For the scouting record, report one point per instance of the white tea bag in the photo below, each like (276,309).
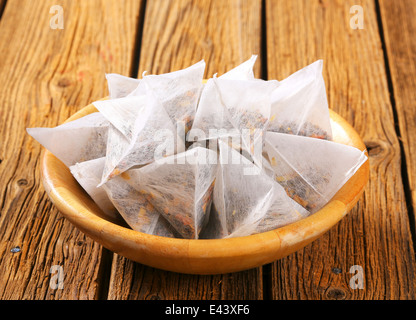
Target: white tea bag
(88,174)
(180,188)
(135,209)
(177,91)
(244,204)
(300,105)
(123,113)
(117,197)
(156,138)
(243,71)
(283,211)
(233,107)
(212,119)
(76,141)
(311,170)
(120,86)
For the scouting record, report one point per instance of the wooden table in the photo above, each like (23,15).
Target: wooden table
(48,73)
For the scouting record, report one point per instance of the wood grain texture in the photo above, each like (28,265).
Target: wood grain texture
(376,234)
(177,34)
(133,281)
(399,28)
(47,75)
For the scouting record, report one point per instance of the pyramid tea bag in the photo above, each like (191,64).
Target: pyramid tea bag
(311,170)
(245,204)
(88,174)
(117,197)
(234,108)
(76,141)
(156,138)
(119,110)
(180,188)
(136,210)
(123,113)
(120,86)
(177,91)
(223,110)
(300,106)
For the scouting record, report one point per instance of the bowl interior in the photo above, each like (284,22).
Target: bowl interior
(211,256)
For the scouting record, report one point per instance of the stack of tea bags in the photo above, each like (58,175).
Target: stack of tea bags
(233,156)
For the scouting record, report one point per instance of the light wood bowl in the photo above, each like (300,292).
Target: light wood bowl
(211,256)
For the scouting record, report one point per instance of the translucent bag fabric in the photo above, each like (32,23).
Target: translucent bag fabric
(299,105)
(244,204)
(120,86)
(156,138)
(88,174)
(123,113)
(232,103)
(243,71)
(76,141)
(177,91)
(136,210)
(180,188)
(234,108)
(117,198)
(311,170)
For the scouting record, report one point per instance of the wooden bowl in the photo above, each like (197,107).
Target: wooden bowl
(211,256)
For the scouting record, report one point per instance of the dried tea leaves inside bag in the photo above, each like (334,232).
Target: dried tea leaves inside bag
(117,197)
(180,188)
(177,91)
(156,138)
(233,108)
(233,102)
(245,204)
(300,105)
(311,170)
(76,141)
(135,209)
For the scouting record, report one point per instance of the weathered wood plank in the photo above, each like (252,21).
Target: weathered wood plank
(375,235)
(47,75)
(177,34)
(399,28)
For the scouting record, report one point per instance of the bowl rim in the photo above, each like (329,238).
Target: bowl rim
(261,248)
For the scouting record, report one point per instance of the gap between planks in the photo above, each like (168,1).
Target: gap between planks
(405,174)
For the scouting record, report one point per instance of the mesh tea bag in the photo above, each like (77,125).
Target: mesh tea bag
(222,112)
(180,188)
(156,138)
(120,86)
(88,174)
(311,170)
(136,210)
(243,71)
(123,113)
(233,107)
(300,106)
(177,91)
(117,197)
(246,204)
(76,141)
